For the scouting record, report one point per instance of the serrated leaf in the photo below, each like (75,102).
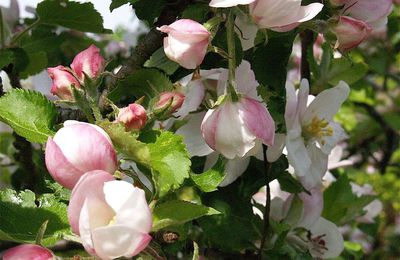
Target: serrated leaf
(209,180)
(145,82)
(78,16)
(148,12)
(160,61)
(37,62)
(177,212)
(169,160)
(21,219)
(117,3)
(29,113)
(127,143)
(197,12)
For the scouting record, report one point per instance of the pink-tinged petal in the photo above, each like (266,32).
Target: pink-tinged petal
(312,207)
(195,143)
(327,103)
(59,167)
(133,117)
(246,80)
(28,252)
(350,32)
(130,205)
(116,241)
(368,11)
(62,82)
(209,127)
(89,186)
(88,61)
(229,3)
(86,147)
(258,120)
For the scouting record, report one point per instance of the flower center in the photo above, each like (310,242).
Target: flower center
(318,128)
(318,243)
(112,221)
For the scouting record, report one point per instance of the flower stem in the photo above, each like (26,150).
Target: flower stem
(230,35)
(267,168)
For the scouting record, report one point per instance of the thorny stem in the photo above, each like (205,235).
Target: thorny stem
(230,24)
(267,209)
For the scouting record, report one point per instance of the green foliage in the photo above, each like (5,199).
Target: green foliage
(169,160)
(208,181)
(177,212)
(197,12)
(341,204)
(144,82)
(29,113)
(160,61)
(148,12)
(117,3)
(22,215)
(6,57)
(78,16)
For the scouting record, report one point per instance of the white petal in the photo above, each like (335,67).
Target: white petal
(297,153)
(234,169)
(331,141)
(246,31)
(275,151)
(246,80)
(194,94)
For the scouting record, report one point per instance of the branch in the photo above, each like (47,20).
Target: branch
(307,40)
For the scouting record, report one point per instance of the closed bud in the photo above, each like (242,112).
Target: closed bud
(168,103)
(88,62)
(28,252)
(133,117)
(63,81)
(350,32)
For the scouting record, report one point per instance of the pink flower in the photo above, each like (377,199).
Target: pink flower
(282,15)
(76,149)
(28,252)
(169,102)
(229,3)
(133,117)
(89,62)
(112,217)
(350,32)
(63,81)
(234,128)
(186,43)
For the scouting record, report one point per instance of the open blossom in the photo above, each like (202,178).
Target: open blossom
(112,217)
(282,15)
(186,43)
(78,148)
(229,3)
(63,81)
(234,128)
(133,117)
(89,62)
(28,252)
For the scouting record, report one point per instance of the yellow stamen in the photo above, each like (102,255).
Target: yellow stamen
(112,221)
(318,128)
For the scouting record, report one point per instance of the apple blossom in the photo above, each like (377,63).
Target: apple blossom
(168,102)
(234,128)
(111,217)
(133,117)
(78,148)
(350,32)
(186,43)
(28,252)
(282,15)
(89,62)
(229,3)
(63,81)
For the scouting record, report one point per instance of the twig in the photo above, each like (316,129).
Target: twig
(307,40)
(267,209)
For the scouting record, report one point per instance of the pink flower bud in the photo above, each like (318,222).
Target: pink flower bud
(282,15)
(28,252)
(76,149)
(186,43)
(112,217)
(169,102)
(133,117)
(350,32)
(90,62)
(234,128)
(63,81)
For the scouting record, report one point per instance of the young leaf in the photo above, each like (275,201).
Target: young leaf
(78,16)
(160,61)
(209,180)
(20,218)
(29,113)
(169,160)
(178,212)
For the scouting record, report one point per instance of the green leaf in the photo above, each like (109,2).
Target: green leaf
(208,181)
(37,62)
(178,212)
(169,160)
(289,183)
(145,82)
(148,12)
(346,70)
(29,113)
(21,219)
(341,204)
(6,57)
(127,143)
(197,12)
(160,61)
(78,16)
(117,3)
